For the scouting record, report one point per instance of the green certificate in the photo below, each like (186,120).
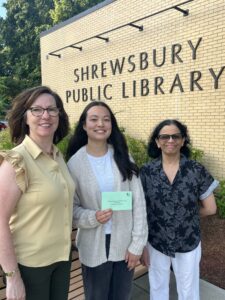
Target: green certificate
(117,200)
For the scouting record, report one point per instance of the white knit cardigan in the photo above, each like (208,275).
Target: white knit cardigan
(129,228)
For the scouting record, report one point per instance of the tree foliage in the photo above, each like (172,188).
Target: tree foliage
(63,9)
(20,40)
(20,30)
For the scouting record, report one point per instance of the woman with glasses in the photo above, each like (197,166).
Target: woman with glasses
(177,190)
(36,195)
(110,239)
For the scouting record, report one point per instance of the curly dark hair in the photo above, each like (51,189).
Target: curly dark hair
(22,102)
(154,151)
(117,140)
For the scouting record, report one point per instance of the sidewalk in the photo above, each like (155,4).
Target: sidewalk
(208,291)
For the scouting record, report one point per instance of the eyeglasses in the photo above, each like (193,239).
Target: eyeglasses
(39,111)
(166,137)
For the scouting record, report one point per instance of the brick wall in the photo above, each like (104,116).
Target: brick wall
(189,84)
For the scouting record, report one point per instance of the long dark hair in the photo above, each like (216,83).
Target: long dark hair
(117,140)
(154,151)
(22,102)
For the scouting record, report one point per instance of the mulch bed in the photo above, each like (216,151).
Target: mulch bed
(212,266)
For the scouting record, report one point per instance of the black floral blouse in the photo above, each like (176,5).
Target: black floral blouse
(173,209)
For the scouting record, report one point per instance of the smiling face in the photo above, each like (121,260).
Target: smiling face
(170,145)
(98,124)
(45,125)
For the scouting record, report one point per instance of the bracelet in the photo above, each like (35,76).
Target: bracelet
(11,273)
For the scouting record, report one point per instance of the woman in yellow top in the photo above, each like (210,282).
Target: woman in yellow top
(36,193)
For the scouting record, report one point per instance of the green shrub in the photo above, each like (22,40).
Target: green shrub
(220,199)
(5,140)
(137,147)
(138,150)
(197,154)
(6,144)
(63,144)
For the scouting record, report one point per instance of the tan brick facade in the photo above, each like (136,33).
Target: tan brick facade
(174,68)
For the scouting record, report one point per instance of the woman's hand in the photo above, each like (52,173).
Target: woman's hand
(103,216)
(145,259)
(15,289)
(132,260)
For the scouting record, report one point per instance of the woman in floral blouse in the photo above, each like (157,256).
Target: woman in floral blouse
(177,191)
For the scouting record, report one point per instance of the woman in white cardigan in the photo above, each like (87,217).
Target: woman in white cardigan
(109,241)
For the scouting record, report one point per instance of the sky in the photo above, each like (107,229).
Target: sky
(2,9)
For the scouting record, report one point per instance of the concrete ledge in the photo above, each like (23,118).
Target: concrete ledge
(208,291)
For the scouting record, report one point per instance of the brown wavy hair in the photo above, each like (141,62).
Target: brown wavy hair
(22,102)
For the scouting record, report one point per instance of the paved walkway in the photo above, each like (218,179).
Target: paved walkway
(208,291)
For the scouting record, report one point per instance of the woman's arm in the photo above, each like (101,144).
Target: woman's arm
(208,206)
(140,228)
(9,196)
(85,217)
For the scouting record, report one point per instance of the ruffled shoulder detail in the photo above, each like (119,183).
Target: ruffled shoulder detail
(17,162)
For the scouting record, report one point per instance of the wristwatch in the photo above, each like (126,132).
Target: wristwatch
(10,274)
